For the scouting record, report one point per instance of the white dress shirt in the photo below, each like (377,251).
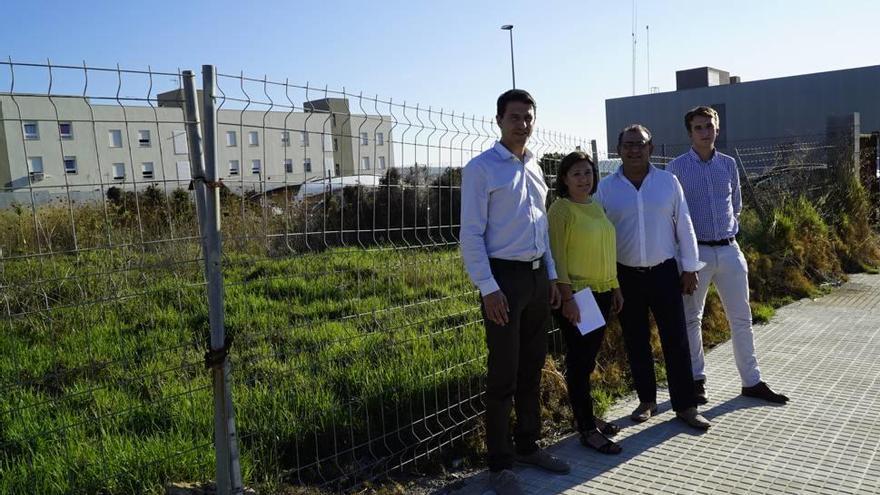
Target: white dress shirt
(652,222)
(503,214)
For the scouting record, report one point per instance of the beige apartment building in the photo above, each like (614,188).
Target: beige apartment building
(68,146)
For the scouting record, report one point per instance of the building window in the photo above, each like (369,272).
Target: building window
(35,167)
(335,144)
(365,139)
(115,137)
(144,138)
(179,138)
(147,170)
(254,138)
(231,139)
(288,166)
(304,139)
(184,171)
(285,139)
(307,165)
(31,130)
(255,166)
(365,163)
(70,165)
(333,119)
(381,163)
(380,139)
(118,171)
(65,130)
(233,167)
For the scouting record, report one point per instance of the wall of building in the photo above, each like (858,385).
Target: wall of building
(370,143)
(89,145)
(754,112)
(304,139)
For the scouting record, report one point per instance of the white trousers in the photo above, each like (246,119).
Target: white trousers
(726,268)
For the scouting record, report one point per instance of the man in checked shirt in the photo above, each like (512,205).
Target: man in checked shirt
(711,187)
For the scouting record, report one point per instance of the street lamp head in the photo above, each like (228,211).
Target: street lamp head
(507,27)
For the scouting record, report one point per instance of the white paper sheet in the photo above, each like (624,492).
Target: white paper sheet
(591,317)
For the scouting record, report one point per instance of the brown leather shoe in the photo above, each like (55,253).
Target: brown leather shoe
(643,412)
(693,419)
(762,391)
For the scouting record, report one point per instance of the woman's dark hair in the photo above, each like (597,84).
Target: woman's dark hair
(565,165)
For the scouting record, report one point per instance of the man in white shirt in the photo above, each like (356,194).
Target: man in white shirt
(649,212)
(506,250)
(710,181)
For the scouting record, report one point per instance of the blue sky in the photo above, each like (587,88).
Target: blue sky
(571,55)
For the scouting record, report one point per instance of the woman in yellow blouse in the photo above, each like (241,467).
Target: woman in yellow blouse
(582,241)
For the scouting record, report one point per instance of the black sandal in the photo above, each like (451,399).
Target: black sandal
(607,428)
(606,446)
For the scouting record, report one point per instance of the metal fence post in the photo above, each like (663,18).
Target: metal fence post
(594,149)
(856,144)
(208,207)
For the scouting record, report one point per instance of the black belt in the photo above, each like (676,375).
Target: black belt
(644,269)
(532,265)
(719,242)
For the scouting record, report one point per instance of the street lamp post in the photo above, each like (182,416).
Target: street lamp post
(509,28)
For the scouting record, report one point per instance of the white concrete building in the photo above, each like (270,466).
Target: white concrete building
(63,146)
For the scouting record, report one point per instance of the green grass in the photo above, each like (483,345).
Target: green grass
(105,390)
(762,313)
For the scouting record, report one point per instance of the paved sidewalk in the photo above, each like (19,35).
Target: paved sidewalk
(824,354)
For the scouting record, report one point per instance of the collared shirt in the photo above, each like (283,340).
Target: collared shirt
(503,214)
(712,191)
(652,222)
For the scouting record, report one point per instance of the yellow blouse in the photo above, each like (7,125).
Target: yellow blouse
(583,244)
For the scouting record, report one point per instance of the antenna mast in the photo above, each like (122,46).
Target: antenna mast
(634,24)
(648,51)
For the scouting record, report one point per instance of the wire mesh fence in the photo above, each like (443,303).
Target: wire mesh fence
(775,169)
(806,166)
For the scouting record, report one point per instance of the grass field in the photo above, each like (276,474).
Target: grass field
(106,393)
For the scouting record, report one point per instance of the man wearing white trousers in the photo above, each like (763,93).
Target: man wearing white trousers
(711,187)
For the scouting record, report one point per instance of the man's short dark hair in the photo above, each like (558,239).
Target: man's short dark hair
(517,95)
(634,127)
(702,110)
(565,165)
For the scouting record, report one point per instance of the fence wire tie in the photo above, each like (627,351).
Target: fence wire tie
(210,184)
(214,358)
